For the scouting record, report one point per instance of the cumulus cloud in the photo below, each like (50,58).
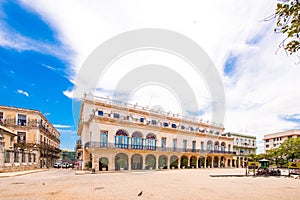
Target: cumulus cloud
(260,85)
(23,92)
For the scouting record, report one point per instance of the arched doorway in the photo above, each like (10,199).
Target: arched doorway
(228,162)
(208,162)
(150,142)
(173,162)
(137,140)
(216,161)
(183,162)
(223,161)
(193,162)
(121,161)
(121,139)
(209,145)
(136,162)
(216,147)
(162,162)
(103,164)
(223,147)
(201,162)
(150,161)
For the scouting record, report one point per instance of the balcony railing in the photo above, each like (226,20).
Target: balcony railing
(150,148)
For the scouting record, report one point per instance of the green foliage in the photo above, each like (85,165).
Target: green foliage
(184,161)
(288,23)
(151,162)
(162,162)
(121,162)
(88,165)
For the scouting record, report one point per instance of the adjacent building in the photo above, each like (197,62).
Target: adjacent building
(35,143)
(274,140)
(120,136)
(243,145)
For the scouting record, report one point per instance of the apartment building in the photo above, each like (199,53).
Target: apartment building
(243,145)
(36,142)
(120,136)
(274,140)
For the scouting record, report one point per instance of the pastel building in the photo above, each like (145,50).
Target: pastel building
(274,140)
(243,145)
(36,142)
(120,136)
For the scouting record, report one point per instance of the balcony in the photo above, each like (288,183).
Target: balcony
(100,145)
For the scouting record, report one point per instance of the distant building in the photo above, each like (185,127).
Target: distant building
(6,146)
(274,140)
(243,145)
(116,135)
(36,143)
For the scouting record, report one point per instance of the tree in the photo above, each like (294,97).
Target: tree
(291,148)
(288,22)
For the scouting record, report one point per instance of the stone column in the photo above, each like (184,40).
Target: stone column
(157,167)
(219,163)
(189,161)
(178,162)
(204,163)
(197,162)
(129,162)
(144,158)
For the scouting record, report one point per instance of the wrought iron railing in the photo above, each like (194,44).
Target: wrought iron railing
(150,148)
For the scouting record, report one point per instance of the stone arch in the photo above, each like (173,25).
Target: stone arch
(121,161)
(150,161)
(121,139)
(209,145)
(216,161)
(163,162)
(193,162)
(136,162)
(174,162)
(201,162)
(184,162)
(103,164)
(208,161)
(150,141)
(222,161)
(137,140)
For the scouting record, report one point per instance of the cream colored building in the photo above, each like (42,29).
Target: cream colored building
(36,143)
(116,136)
(243,145)
(274,140)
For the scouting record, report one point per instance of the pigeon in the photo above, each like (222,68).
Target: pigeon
(140,194)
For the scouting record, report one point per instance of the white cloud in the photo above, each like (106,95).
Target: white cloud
(61,126)
(264,85)
(23,92)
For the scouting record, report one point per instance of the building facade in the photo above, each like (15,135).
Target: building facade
(243,145)
(274,140)
(36,142)
(117,136)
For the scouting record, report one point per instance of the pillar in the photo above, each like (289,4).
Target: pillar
(197,162)
(204,162)
(156,166)
(129,162)
(178,162)
(189,162)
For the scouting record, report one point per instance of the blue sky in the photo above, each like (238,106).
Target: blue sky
(43,45)
(33,78)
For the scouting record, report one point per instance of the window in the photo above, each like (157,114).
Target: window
(166,124)
(21,137)
(182,127)
(29,157)
(1,118)
(34,158)
(191,128)
(142,119)
(121,139)
(202,146)
(154,122)
(267,140)
(193,146)
(23,156)
(174,126)
(267,146)
(184,144)
(22,120)
(116,115)
(7,156)
(237,140)
(137,140)
(174,144)
(163,142)
(100,113)
(150,142)
(16,156)
(103,138)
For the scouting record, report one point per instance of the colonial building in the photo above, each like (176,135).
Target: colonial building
(116,136)
(274,140)
(243,145)
(6,146)
(36,142)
